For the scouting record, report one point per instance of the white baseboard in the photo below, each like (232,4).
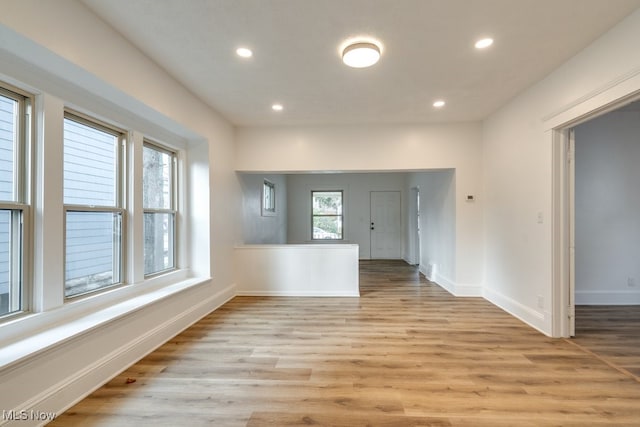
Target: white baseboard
(536,319)
(457,289)
(70,389)
(613,297)
(422,269)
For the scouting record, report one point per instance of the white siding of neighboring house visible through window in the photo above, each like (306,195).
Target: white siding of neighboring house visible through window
(7,133)
(89,237)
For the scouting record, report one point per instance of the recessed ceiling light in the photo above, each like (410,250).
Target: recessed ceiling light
(439,103)
(361,54)
(243,52)
(484,43)
(277,107)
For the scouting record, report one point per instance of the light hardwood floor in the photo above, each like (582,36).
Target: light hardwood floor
(611,332)
(405,353)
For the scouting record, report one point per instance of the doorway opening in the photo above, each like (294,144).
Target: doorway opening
(596,223)
(415,220)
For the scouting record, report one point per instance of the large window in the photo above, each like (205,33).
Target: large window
(326,215)
(15,136)
(159,203)
(94,205)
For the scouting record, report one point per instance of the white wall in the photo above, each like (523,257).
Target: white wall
(438,228)
(321,270)
(518,169)
(258,228)
(378,148)
(607,204)
(66,55)
(357,207)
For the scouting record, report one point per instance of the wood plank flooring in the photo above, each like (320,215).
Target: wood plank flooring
(612,332)
(406,353)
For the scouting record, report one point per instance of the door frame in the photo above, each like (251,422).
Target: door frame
(414,227)
(559,128)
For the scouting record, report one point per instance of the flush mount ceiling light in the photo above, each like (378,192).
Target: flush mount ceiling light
(484,43)
(439,103)
(277,107)
(243,52)
(361,54)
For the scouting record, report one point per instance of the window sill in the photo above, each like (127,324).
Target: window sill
(64,323)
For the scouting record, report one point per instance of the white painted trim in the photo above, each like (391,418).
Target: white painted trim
(422,269)
(621,297)
(100,307)
(71,390)
(445,283)
(535,319)
(612,91)
(457,289)
(463,290)
(430,271)
(607,97)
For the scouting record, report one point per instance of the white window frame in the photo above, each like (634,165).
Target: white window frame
(119,258)
(341,215)
(268,210)
(173,209)
(20,207)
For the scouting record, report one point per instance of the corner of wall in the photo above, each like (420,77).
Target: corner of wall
(540,320)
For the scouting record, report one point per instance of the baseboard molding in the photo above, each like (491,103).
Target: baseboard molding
(457,289)
(422,270)
(614,297)
(536,319)
(87,379)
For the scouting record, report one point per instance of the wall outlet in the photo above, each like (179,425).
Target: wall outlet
(631,282)
(540,301)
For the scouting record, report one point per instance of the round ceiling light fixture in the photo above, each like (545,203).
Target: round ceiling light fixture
(484,43)
(361,54)
(244,52)
(439,103)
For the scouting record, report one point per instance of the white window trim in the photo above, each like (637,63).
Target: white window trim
(342,215)
(174,208)
(69,85)
(264,210)
(23,169)
(120,261)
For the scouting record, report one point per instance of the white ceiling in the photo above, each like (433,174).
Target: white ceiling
(428,53)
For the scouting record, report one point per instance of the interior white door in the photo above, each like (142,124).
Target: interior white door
(386,225)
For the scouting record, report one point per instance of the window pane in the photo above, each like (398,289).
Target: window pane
(158,242)
(8,139)
(10,262)
(327,227)
(268,197)
(93,246)
(157,178)
(327,202)
(90,162)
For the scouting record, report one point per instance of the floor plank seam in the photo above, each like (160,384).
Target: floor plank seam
(603,360)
